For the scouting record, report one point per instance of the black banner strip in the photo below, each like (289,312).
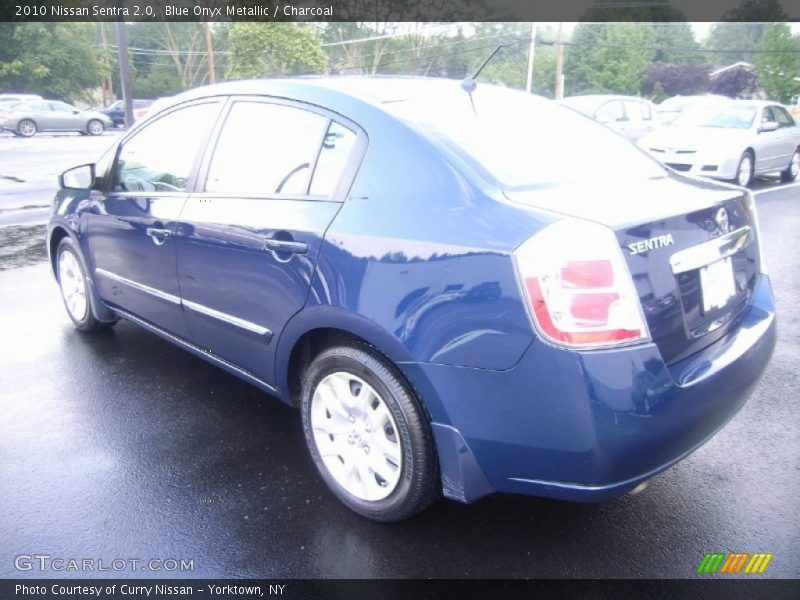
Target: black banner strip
(399,10)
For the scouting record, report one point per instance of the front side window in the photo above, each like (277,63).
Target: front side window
(783,117)
(61,107)
(610,112)
(266,149)
(159,158)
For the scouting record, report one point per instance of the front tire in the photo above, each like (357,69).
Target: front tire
(26,128)
(95,127)
(368,435)
(790,174)
(744,172)
(75,288)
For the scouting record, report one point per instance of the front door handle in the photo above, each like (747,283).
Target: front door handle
(159,235)
(285,246)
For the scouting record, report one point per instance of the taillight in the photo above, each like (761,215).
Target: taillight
(578,287)
(750,204)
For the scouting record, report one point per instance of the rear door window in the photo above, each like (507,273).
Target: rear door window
(269,149)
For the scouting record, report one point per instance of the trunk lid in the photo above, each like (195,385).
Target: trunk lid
(670,230)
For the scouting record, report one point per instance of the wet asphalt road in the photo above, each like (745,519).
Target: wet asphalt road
(120,445)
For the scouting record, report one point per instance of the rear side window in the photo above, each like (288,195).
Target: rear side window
(160,157)
(332,159)
(266,149)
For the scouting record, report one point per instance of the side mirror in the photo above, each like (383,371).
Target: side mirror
(768,126)
(77,178)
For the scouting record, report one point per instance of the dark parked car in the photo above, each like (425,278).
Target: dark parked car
(627,115)
(116,111)
(454,300)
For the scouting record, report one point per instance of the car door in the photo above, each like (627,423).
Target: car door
(131,231)
(640,119)
(768,143)
(41,113)
(248,239)
(612,113)
(788,138)
(65,117)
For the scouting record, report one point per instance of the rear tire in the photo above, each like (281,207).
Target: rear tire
(368,435)
(744,172)
(75,288)
(790,174)
(26,128)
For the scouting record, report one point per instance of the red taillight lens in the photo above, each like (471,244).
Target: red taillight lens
(588,273)
(579,287)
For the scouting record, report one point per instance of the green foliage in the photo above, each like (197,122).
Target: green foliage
(675,44)
(735,40)
(608,58)
(274,50)
(55,60)
(779,63)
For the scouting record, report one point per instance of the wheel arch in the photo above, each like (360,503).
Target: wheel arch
(313,329)
(55,236)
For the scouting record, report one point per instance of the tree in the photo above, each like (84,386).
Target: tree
(733,42)
(778,63)
(608,58)
(673,80)
(274,49)
(675,44)
(734,83)
(56,60)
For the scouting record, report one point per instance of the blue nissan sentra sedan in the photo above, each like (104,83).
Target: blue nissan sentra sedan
(465,290)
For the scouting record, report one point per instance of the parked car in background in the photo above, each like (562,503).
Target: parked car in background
(671,107)
(735,140)
(27,118)
(18,97)
(116,111)
(492,313)
(630,116)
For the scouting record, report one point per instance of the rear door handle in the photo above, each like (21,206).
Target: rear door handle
(159,235)
(285,246)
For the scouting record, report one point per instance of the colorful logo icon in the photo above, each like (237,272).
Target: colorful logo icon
(734,562)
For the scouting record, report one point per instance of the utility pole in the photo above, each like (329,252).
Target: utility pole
(531,50)
(107,86)
(559,89)
(212,77)
(124,72)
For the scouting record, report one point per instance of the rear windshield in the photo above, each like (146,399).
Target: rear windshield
(518,141)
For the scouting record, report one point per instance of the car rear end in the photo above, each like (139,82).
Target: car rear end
(646,292)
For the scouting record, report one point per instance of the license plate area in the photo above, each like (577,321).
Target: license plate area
(717,284)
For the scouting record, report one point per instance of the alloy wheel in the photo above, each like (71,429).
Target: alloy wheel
(745,168)
(73,286)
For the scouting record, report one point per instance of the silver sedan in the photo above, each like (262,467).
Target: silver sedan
(734,140)
(27,118)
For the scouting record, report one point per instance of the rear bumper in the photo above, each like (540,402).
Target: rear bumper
(589,425)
